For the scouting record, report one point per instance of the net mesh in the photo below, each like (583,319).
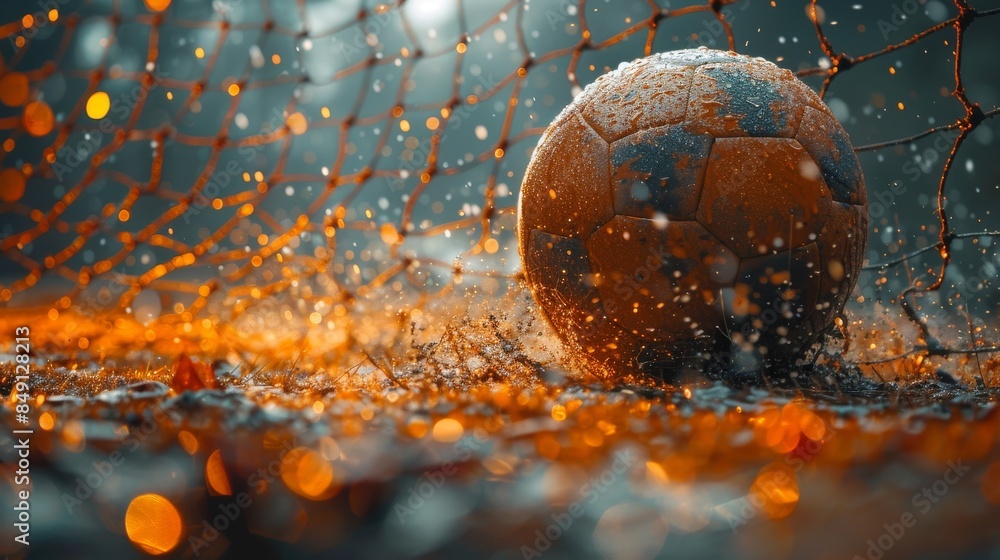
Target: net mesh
(311,180)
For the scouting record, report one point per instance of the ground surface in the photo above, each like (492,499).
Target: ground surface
(497,468)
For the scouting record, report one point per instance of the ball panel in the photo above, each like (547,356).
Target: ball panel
(659,171)
(660,283)
(823,137)
(560,264)
(609,351)
(560,278)
(740,99)
(566,186)
(559,275)
(777,293)
(762,194)
(646,95)
(696,57)
(662,359)
(842,252)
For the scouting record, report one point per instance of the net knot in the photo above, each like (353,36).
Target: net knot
(841,62)
(975,116)
(966,15)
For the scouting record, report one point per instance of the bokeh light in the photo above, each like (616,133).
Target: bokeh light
(12,184)
(98,105)
(38,118)
(157,5)
(153,524)
(14,89)
(215,475)
(307,473)
(776,488)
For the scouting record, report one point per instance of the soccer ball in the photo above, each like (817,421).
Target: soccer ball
(691,201)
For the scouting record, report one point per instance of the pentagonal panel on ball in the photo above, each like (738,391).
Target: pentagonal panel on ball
(743,99)
(762,195)
(661,283)
(823,137)
(659,171)
(642,95)
(565,189)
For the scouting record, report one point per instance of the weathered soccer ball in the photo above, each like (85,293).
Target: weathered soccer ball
(689,201)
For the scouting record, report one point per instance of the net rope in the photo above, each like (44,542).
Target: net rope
(180,170)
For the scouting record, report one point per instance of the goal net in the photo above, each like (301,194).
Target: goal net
(309,179)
